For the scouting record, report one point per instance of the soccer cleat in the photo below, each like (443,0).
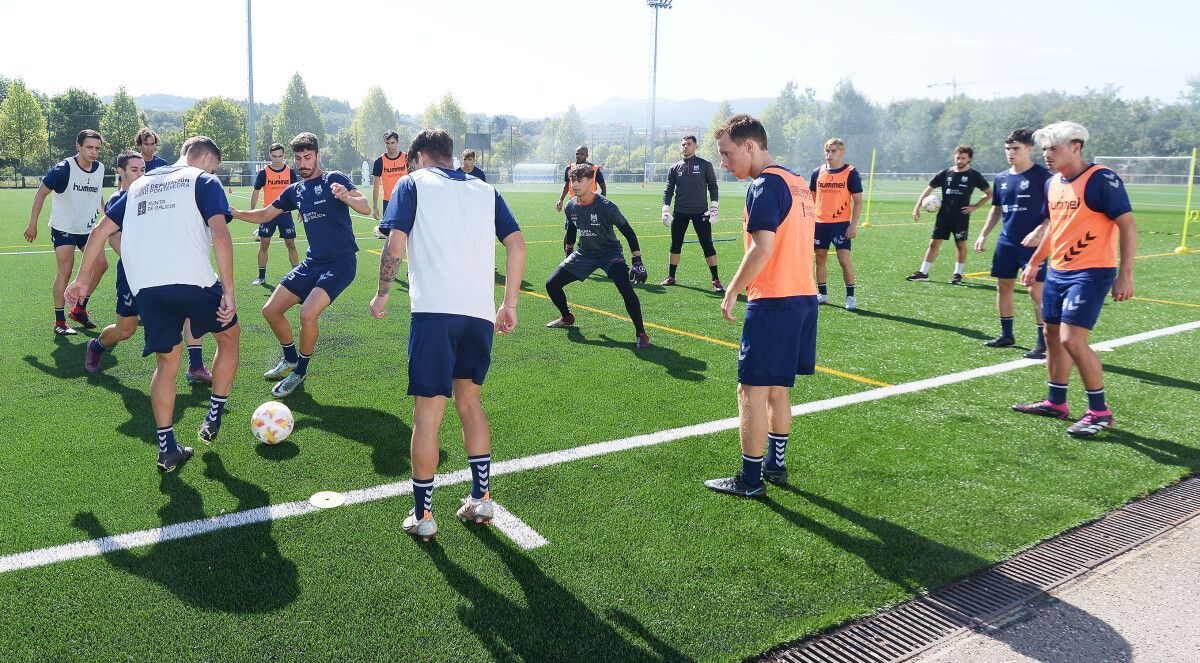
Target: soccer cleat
(478,510)
(1038,352)
(776,477)
(287,385)
(643,341)
(851,303)
(80,315)
(1043,409)
(258,281)
(670,280)
(565,321)
(378,231)
(956,279)
(1000,342)
(199,376)
(171,461)
(1093,422)
(917,276)
(734,485)
(208,431)
(718,287)
(281,370)
(822,299)
(91,360)
(62,329)
(424,528)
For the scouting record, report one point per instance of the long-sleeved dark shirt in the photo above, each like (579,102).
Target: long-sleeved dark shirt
(688,181)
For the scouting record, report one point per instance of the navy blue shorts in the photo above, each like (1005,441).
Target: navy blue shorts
(443,347)
(1008,259)
(59,238)
(284,223)
(779,341)
(582,265)
(832,233)
(127,305)
(1075,297)
(165,307)
(332,276)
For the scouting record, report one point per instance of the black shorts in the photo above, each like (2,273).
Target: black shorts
(945,228)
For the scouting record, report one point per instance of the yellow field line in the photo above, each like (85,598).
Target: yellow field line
(975,275)
(1165,301)
(709,339)
(1157,255)
(375,251)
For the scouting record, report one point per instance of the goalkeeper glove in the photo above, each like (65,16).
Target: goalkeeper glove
(666,216)
(712,212)
(638,273)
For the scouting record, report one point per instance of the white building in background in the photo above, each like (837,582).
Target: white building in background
(614,133)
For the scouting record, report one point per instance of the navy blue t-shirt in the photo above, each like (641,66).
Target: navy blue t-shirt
(210,200)
(60,175)
(1104,193)
(1021,198)
(853,181)
(476,172)
(401,213)
(156,162)
(326,219)
(768,202)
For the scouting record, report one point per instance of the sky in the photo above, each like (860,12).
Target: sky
(533,58)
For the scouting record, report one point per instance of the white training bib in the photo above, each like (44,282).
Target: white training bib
(164,240)
(75,209)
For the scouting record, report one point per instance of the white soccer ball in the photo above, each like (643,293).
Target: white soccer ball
(931,203)
(272,422)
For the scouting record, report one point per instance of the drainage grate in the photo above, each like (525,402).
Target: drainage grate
(919,624)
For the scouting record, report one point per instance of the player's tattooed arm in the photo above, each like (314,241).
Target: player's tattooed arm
(389,264)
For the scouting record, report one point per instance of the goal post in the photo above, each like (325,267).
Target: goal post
(1172,179)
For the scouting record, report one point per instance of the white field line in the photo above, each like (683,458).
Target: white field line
(92,548)
(516,529)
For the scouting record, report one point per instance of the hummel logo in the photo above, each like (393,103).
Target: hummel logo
(1072,305)
(1115,184)
(742,352)
(326,275)
(128,300)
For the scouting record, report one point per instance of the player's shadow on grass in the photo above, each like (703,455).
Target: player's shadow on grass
(1153,378)
(928,324)
(135,399)
(1163,452)
(386,434)
(548,622)
(235,570)
(678,365)
(917,564)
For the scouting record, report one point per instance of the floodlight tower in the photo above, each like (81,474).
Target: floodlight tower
(250,77)
(655,5)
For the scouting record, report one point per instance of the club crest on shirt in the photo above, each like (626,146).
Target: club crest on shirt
(1024,184)
(317,189)
(595,218)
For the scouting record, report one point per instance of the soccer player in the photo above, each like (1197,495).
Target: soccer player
(595,217)
(272,180)
(954,216)
(837,194)
(389,167)
(324,199)
(1087,214)
(147,143)
(168,219)
(1020,193)
(581,156)
(469,167)
(692,183)
(131,166)
(779,338)
(446,220)
(74,184)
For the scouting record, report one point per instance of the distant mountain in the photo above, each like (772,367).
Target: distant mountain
(689,112)
(159,102)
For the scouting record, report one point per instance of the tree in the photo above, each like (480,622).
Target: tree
(69,113)
(448,116)
(23,136)
(340,153)
(510,150)
(852,117)
(170,142)
(264,136)
(708,144)
(297,114)
(119,126)
(223,121)
(374,117)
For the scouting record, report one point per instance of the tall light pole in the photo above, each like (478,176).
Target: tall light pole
(655,5)
(250,76)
